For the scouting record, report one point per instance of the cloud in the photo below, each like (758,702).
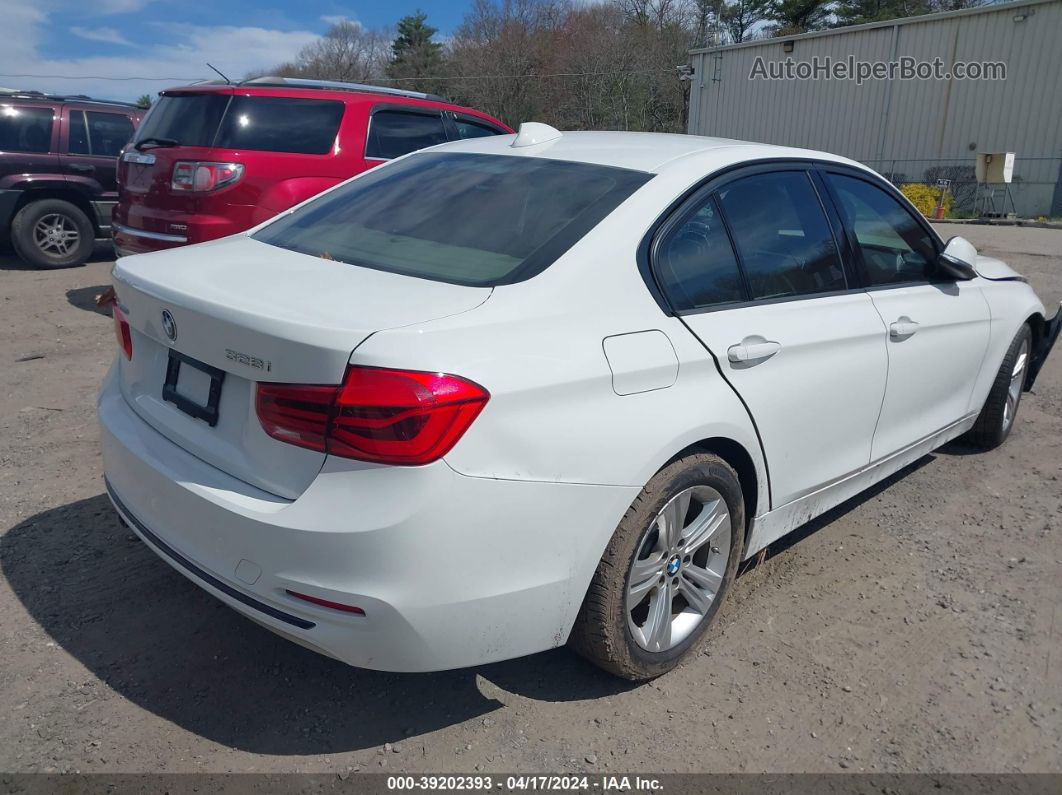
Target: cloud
(108,35)
(181,58)
(105,7)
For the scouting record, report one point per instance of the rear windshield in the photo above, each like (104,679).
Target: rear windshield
(263,124)
(470,219)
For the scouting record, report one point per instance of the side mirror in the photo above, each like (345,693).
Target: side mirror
(958,259)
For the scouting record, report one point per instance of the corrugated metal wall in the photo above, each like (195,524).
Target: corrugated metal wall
(906,127)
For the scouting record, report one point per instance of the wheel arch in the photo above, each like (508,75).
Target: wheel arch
(62,193)
(735,454)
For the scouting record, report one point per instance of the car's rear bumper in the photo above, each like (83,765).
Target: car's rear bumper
(450,570)
(1044,345)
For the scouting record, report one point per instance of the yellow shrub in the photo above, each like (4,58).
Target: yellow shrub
(925,197)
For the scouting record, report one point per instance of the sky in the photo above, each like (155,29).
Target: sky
(174,39)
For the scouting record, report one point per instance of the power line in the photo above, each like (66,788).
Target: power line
(372,79)
(90,76)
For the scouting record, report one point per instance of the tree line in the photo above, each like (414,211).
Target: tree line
(608,65)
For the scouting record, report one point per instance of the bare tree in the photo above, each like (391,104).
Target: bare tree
(739,17)
(347,51)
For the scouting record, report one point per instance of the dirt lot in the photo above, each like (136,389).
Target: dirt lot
(917,628)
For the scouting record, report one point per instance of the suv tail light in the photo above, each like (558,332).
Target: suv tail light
(121,331)
(200,176)
(386,416)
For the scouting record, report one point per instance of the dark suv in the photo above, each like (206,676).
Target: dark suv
(214,159)
(58,160)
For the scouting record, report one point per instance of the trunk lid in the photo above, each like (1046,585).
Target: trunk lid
(255,312)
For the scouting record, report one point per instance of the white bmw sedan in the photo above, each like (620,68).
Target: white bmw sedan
(521,391)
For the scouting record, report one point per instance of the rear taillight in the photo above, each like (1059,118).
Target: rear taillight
(386,416)
(121,331)
(200,176)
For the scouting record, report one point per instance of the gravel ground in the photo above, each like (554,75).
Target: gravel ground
(916,628)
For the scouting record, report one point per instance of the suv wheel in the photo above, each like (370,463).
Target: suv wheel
(665,571)
(52,233)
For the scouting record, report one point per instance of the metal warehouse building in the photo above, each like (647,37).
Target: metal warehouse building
(911,130)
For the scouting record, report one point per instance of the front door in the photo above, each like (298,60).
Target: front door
(754,271)
(937,330)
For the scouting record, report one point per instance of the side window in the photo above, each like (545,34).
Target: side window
(281,124)
(695,263)
(25,129)
(782,235)
(78,143)
(895,247)
(466,128)
(108,132)
(393,133)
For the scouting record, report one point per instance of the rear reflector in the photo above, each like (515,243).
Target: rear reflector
(326,603)
(385,416)
(121,331)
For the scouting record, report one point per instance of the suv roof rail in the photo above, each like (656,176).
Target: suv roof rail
(18,93)
(336,85)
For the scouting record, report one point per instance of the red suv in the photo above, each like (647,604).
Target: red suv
(214,159)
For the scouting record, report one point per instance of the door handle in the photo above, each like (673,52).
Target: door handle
(752,349)
(81,167)
(902,327)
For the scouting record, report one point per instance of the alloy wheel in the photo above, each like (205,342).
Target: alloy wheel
(1017,382)
(56,234)
(679,569)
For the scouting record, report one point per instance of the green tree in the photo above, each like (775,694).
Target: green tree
(144,101)
(857,12)
(798,16)
(414,53)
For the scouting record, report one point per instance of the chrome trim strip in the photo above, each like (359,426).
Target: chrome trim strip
(128,230)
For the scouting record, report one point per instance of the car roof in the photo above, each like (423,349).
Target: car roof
(22,97)
(639,151)
(366,94)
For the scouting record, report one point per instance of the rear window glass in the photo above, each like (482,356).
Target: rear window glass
(393,133)
(469,219)
(188,119)
(264,124)
(275,124)
(24,129)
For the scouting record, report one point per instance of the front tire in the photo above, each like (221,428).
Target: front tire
(997,417)
(52,233)
(665,572)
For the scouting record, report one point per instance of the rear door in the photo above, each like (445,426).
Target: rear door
(938,329)
(90,147)
(753,268)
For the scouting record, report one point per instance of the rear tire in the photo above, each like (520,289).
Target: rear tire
(642,572)
(997,416)
(52,233)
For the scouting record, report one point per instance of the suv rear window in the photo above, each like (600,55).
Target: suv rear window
(25,129)
(470,219)
(263,124)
